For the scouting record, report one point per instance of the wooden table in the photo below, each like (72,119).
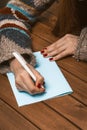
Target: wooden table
(62,113)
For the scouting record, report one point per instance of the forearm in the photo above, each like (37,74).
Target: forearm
(13,32)
(9,42)
(81,51)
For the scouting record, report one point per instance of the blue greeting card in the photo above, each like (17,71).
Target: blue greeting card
(55,82)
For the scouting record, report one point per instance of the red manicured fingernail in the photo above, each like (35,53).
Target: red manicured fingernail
(39,85)
(42,51)
(45,55)
(51,59)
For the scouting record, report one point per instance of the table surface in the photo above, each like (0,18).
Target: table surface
(63,113)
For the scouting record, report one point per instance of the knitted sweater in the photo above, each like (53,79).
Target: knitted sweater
(81,50)
(15,22)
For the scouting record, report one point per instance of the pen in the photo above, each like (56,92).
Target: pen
(24,65)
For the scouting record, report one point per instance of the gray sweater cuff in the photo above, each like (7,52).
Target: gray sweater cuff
(7,47)
(81,51)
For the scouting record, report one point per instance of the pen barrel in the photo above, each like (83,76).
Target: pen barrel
(30,72)
(24,65)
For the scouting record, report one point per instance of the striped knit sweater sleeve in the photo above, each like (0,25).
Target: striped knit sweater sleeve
(15,22)
(81,51)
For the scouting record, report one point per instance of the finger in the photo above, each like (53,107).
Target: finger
(60,55)
(57,51)
(56,44)
(25,83)
(39,77)
(31,87)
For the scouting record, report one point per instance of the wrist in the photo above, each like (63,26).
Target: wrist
(14,65)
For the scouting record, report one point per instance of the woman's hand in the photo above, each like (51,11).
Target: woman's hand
(24,81)
(61,48)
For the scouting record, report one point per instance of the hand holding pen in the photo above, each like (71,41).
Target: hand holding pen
(26,77)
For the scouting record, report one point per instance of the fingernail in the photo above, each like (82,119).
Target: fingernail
(45,55)
(39,85)
(42,51)
(51,59)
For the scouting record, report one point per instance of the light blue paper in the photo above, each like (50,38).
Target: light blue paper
(55,82)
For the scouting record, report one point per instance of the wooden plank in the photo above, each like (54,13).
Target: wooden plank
(54,8)
(79,87)
(38,43)
(70,109)
(79,69)
(39,113)
(50,22)
(10,119)
(49,17)
(43,31)
(3,3)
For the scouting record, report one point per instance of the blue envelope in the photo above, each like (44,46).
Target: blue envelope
(55,83)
